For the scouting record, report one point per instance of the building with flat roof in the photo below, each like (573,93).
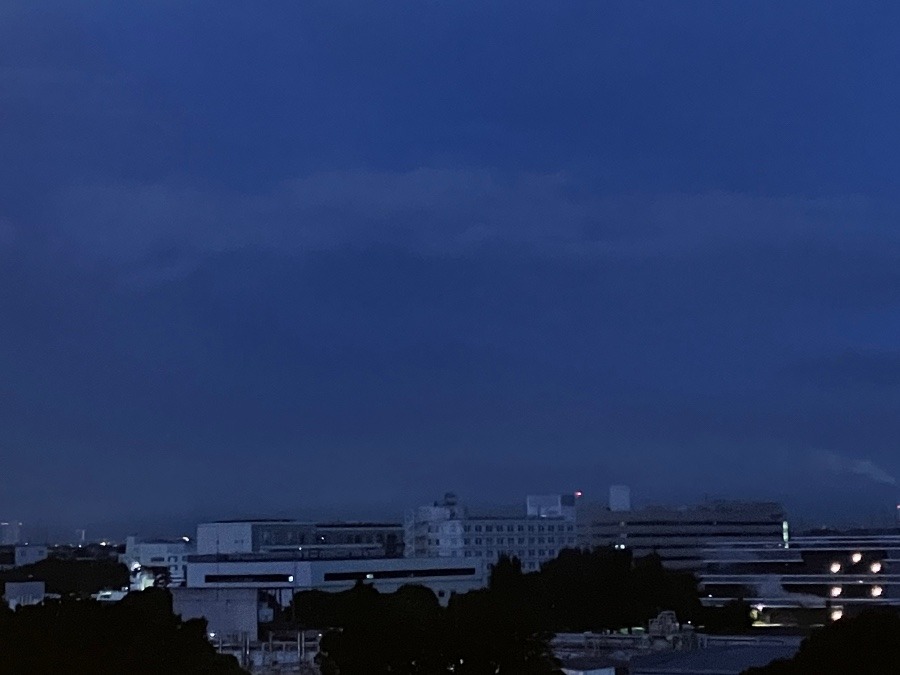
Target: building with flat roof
(680,535)
(287,536)
(23,554)
(447,530)
(10,532)
(20,593)
(156,561)
(284,576)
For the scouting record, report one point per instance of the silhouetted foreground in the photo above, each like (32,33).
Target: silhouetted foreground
(72,577)
(139,635)
(868,644)
(505,628)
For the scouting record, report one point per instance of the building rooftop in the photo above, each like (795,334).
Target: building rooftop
(353,525)
(731,660)
(262,521)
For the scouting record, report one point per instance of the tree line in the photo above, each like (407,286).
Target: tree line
(506,627)
(867,644)
(138,635)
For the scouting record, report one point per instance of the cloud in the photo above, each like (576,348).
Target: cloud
(843,465)
(435,210)
(863,368)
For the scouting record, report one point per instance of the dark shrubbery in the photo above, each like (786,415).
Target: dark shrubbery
(139,635)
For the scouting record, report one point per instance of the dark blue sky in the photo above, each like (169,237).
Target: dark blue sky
(299,257)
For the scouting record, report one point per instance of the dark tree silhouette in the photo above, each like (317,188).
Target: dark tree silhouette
(72,577)
(868,644)
(138,635)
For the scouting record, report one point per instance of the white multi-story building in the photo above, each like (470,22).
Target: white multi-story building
(148,560)
(447,530)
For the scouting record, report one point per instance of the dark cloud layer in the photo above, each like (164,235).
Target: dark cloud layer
(322,256)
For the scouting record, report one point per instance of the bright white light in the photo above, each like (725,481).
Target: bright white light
(836,591)
(856,557)
(836,615)
(875,567)
(877,591)
(759,608)
(370,576)
(291,579)
(185,539)
(835,567)
(212,635)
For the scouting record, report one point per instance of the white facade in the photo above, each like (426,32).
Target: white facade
(18,593)
(386,574)
(447,531)
(146,559)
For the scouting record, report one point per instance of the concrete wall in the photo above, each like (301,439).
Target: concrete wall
(386,574)
(228,611)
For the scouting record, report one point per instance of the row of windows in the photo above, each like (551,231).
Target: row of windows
(401,574)
(685,535)
(520,554)
(489,541)
(687,523)
(519,528)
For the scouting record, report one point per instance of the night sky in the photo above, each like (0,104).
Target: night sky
(299,258)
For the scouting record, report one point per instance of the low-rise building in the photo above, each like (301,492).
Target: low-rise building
(22,554)
(284,575)
(156,561)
